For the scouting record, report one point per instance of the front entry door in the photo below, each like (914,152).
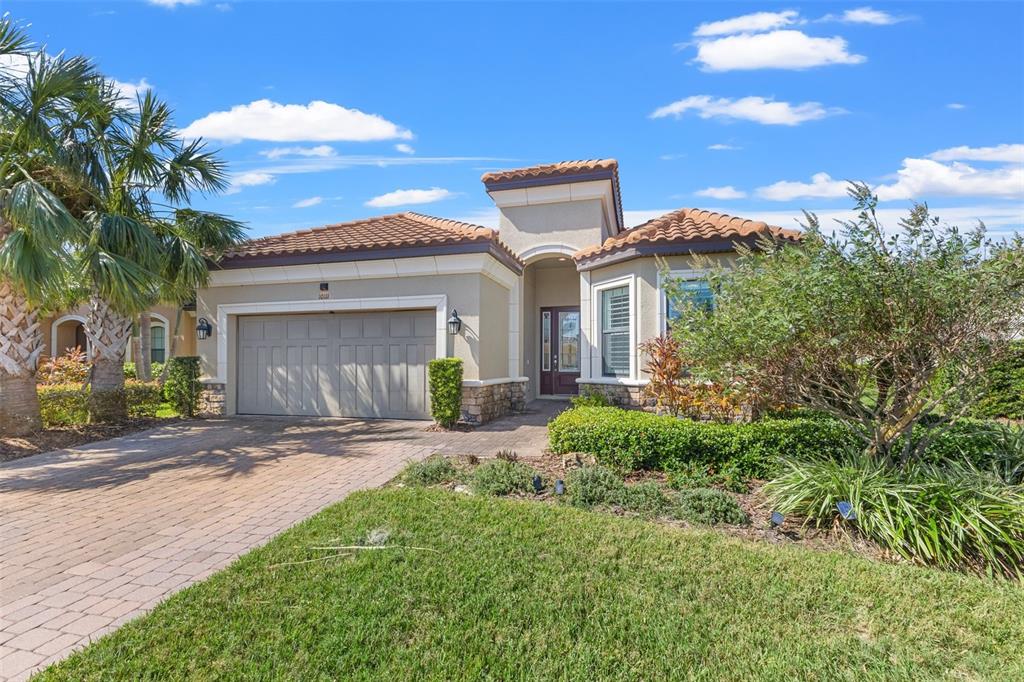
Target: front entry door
(559,350)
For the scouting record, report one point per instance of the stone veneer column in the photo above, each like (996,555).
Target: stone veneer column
(619,395)
(213,400)
(481,404)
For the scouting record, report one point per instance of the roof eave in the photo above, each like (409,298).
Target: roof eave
(609,174)
(670,249)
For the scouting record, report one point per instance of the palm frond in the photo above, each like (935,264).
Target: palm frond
(33,209)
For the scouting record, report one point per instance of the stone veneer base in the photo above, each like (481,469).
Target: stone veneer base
(213,400)
(481,404)
(619,395)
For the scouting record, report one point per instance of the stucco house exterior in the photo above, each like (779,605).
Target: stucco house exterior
(66,330)
(342,319)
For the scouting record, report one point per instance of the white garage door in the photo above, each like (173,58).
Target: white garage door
(344,365)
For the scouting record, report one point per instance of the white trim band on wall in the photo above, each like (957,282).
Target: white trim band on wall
(494,382)
(437,301)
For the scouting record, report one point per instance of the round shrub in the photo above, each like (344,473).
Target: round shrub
(709,507)
(430,471)
(182,387)
(502,477)
(645,498)
(593,486)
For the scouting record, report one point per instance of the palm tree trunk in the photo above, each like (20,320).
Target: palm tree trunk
(172,348)
(136,344)
(108,332)
(143,364)
(21,343)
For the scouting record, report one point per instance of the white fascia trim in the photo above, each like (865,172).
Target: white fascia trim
(53,332)
(634,319)
(613,381)
(535,252)
(494,382)
(687,275)
(418,266)
(437,301)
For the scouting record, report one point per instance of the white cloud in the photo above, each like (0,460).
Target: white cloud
(406,197)
(1007,153)
(321,150)
(331,163)
(274,122)
(485,217)
(306,203)
(748,23)
(404,148)
(173,3)
(821,186)
(921,179)
(251,179)
(131,91)
(723,147)
(223,7)
(757,109)
(866,15)
(786,49)
(956,105)
(918,179)
(723,193)
(672,157)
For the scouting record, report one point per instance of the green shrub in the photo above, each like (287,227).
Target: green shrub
(708,507)
(1004,396)
(143,398)
(697,475)
(590,397)
(979,442)
(130,371)
(952,516)
(502,477)
(70,368)
(645,498)
(63,404)
(430,471)
(446,390)
(182,388)
(594,486)
(631,439)
(68,404)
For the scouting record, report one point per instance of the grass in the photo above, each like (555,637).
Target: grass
(167,411)
(516,590)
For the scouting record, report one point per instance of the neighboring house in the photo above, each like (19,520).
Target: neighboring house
(65,331)
(342,319)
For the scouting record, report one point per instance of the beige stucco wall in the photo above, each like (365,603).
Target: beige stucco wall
(185,344)
(544,286)
(482,344)
(575,223)
(648,295)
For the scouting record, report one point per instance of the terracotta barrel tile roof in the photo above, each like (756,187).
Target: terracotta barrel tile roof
(552,173)
(686,226)
(387,232)
(550,170)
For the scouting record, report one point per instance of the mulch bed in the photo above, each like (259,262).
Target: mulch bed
(62,437)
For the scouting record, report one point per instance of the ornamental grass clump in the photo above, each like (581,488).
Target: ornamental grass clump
(708,507)
(953,516)
(430,471)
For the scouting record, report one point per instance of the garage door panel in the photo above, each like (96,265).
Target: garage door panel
(349,364)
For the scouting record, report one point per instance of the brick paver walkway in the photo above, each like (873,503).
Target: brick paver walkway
(94,536)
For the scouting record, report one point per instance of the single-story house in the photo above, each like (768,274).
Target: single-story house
(65,331)
(342,319)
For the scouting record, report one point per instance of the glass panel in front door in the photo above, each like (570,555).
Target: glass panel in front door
(545,333)
(569,341)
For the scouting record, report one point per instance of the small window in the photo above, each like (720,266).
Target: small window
(699,293)
(545,354)
(615,319)
(157,346)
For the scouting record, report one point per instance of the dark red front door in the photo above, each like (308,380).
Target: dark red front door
(559,350)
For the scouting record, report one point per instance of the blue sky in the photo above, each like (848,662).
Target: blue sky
(756,109)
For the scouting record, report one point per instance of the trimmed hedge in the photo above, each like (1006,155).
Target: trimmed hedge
(1005,394)
(68,404)
(631,439)
(445,390)
(182,388)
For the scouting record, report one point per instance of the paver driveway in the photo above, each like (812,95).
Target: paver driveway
(94,536)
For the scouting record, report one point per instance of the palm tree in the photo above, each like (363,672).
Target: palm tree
(36,229)
(142,243)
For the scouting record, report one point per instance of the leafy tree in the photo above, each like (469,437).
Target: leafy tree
(890,333)
(38,99)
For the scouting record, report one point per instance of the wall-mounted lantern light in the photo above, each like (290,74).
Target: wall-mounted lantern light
(325,292)
(454,323)
(203,329)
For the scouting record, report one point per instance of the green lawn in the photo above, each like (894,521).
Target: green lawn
(518,590)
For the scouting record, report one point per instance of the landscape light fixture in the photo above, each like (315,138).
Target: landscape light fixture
(846,511)
(538,484)
(559,487)
(203,329)
(454,322)
(776,519)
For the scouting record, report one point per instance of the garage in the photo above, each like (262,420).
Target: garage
(371,365)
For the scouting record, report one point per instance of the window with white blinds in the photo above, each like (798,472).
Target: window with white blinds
(615,332)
